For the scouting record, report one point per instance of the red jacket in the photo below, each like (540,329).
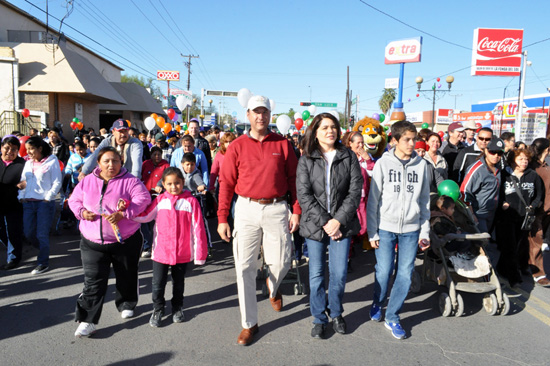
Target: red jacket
(179,235)
(258,169)
(151,174)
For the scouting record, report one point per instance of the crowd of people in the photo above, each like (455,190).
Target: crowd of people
(147,195)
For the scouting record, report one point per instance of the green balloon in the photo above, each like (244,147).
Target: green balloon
(386,128)
(382,117)
(309,120)
(76,120)
(449,188)
(305,115)
(513,130)
(425,125)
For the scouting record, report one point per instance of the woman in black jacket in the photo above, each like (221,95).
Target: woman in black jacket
(11,211)
(328,184)
(512,241)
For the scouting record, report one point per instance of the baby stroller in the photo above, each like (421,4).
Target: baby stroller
(461,275)
(202,202)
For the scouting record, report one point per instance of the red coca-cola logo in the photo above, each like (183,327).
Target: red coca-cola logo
(506,45)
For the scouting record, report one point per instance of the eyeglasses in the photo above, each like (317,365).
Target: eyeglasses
(486,139)
(499,153)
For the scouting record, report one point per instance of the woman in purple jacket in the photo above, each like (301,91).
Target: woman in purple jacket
(105,202)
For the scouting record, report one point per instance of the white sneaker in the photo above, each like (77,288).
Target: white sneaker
(127,314)
(85,330)
(544,247)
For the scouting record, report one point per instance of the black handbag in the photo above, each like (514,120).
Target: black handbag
(529,218)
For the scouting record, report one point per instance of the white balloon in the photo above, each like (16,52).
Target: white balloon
(297,115)
(312,109)
(182,102)
(150,123)
(243,96)
(283,123)
(335,114)
(272,105)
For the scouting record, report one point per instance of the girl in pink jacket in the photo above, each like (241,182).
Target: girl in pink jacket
(179,237)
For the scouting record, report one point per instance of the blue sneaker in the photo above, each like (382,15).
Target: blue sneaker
(396,330)
(376,313)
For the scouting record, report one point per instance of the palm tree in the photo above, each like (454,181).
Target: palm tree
(386,100)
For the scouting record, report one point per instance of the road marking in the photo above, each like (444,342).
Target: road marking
(532,297)
(534,312)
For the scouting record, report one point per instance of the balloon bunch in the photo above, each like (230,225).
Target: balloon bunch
(379,117)
(76,124)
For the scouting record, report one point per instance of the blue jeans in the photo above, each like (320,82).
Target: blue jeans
(37,220)
(338,269)
(385,258)
(147,232)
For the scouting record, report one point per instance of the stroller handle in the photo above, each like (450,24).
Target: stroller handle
(476,236)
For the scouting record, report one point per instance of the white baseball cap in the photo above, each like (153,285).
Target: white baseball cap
(258,101)
(470,125)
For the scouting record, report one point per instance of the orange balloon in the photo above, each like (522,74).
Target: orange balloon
(129,123)
(80,125)
(167,128)
(154,115)
(178,128)
(160,121)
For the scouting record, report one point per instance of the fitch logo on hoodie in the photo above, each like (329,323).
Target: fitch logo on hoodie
(395,177)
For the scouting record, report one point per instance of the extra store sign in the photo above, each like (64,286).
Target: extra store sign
(404,50)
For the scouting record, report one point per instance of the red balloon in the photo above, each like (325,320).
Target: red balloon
(61,165)
(26,113)
(171,113)
(478,125)
(438,79)
(73,125)
(299,123)
(417,95)
(441,134)
(23,149)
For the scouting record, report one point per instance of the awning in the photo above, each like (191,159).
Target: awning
(137,97)
(52,69)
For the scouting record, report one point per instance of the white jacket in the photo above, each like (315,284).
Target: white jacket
(43,183)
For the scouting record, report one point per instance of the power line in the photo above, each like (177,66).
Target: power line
(415,28)
(190,45)
(154,26)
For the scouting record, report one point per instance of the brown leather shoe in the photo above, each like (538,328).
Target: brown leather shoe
(277,301)
(247,335)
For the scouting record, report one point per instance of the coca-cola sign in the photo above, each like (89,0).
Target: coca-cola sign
(497,52)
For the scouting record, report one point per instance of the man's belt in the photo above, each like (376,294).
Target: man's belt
(267,201)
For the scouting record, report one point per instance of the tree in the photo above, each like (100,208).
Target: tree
(386,100)
(146,83)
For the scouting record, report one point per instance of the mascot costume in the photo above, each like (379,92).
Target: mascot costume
(374,136)
(375,141)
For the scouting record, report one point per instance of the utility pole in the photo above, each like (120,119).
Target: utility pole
(455,95)
(188,65)
(346,112)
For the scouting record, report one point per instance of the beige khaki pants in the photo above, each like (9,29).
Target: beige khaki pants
(256,225)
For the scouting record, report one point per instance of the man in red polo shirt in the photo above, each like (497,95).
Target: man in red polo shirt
(260,167)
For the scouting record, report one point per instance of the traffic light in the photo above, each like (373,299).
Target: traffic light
(352,119)
(305,104)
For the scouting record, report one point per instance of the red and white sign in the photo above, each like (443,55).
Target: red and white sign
(497,52)
(168,75)
(404,50)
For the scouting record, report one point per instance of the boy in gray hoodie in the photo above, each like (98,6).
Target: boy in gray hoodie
(398,212)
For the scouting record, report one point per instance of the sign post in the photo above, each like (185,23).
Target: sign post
(401,52)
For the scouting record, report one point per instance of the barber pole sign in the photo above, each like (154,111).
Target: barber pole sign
(497,52)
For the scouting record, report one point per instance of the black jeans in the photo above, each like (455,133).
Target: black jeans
(11,233)
(96,262)
(160,277)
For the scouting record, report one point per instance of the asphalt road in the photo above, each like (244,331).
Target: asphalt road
(37,322)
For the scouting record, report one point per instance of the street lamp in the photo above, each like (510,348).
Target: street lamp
(435,89)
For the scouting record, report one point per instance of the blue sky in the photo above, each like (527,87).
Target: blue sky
(286,50)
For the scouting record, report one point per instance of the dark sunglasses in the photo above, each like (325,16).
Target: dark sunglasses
(499,153)
(484,138)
